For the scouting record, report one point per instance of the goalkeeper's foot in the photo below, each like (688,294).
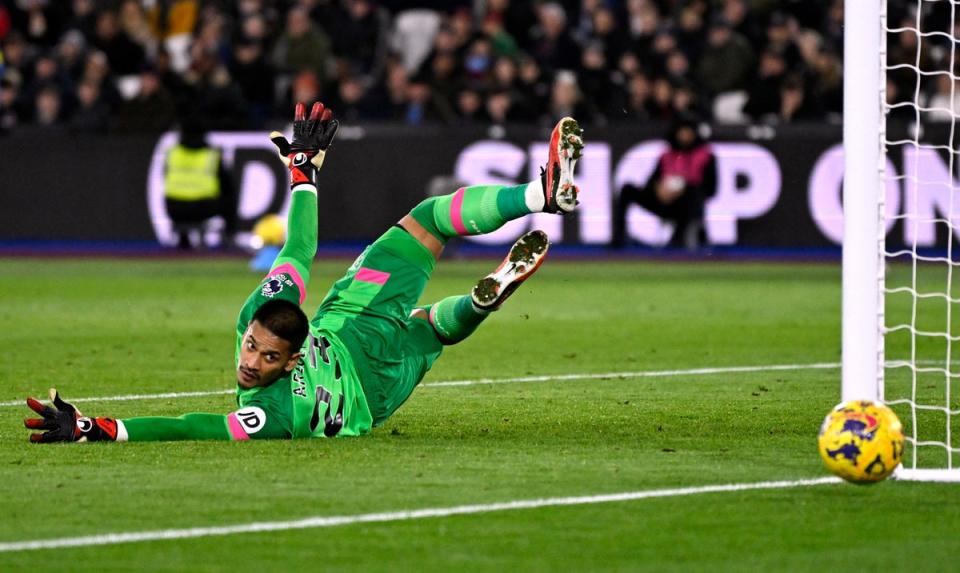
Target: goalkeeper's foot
(526,256)
(566,147)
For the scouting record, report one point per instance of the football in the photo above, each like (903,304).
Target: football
(861,441)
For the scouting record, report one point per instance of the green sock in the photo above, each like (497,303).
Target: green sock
(455,318)
(474,210)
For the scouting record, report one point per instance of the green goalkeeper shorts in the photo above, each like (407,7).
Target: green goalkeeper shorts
(369,309)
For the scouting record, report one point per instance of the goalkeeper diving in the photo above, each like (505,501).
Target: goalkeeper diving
(368,346)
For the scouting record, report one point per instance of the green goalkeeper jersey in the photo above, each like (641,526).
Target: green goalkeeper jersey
(321,397)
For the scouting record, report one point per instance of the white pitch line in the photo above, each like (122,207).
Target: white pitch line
(128,397)
(540,378)
(405,515)
(640,374)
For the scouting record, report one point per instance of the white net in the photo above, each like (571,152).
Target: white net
(920,220)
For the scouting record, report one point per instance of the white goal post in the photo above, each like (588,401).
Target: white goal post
(874,367)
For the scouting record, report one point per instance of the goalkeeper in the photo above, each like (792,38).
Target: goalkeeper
(368,345)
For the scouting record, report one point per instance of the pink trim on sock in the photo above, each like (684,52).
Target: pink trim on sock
(371,276)
(236,428)
(456,212)
(292,271)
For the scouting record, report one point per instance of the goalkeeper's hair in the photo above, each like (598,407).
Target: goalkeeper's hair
(285,320)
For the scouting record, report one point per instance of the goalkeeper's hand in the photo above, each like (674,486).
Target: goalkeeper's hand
(64,423)
(311,138)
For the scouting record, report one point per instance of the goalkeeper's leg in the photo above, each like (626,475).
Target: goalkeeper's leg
(485,208)
(457,317)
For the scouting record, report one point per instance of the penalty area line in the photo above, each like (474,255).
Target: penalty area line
(479,381)
(394,516)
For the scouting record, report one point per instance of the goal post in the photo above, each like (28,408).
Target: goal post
(897,330)
(863,199)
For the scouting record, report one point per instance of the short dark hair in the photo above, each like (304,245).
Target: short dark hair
(285,320)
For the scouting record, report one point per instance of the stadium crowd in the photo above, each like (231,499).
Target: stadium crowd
(142,65)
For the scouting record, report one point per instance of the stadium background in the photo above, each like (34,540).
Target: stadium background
(603,375)
(431,92)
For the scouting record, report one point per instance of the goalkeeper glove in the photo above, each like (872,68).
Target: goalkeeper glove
(66,424)
(311,138)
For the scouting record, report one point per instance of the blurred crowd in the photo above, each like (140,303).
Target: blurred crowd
(145,65)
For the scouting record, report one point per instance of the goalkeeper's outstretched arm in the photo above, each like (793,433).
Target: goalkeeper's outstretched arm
(312,137)
(62,422)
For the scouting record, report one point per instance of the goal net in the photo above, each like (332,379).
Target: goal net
(901,291)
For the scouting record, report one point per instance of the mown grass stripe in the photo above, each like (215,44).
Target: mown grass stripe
(403,515)
(517,379)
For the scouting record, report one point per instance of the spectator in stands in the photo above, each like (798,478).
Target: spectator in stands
(392,100)
(661,102)
(636,106)
(40,20)
(92,113)
(685,101)
(70,52)
(83,18)
(17,54)
(518,18)
(763,103)
(826,78)
(350,101)
(9,94)
(48,108)
(420,105)
(303,46)
(152,110)
(664,42)
(5,25)
(553,47)
(306,87)
(503,43)
(781,38)
(794,103)
(210,91)
(945,102)
(504,74)
(685,177)
(535,86)
(566,100)
(125,56)
(594,79)
(478,61)
(359,38)
(442,75)
(173,22)
(907,50)
(133,22)
(643,21)
(498,107)
(691,29)
(96,69)
(197,185)
(741,19)
(606,32)
(832,27)
(254,76)
(727,62)
(47,73)
(250,52)
(470,107)
(677,66)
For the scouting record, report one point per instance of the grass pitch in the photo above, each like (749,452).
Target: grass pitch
(107,328)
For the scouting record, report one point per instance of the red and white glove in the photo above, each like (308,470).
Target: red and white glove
(311,138)
(64,423)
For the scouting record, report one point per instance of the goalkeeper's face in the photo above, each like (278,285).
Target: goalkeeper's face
(264,357)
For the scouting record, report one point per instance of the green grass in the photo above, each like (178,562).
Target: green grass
(109,327)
